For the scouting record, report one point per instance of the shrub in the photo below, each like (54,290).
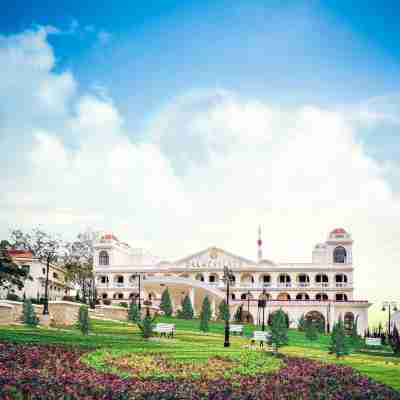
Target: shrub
(107,302)
(146,325)
(83,320)
(394,341)
(339,345)
(302,324)
(205,315)
(123,304)
(166,304)
(28,314)
(311,330)
(133,313)
(279,329)
(187,309)
(13,297)
(223,311)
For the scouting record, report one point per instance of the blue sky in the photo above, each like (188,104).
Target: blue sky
(185,124)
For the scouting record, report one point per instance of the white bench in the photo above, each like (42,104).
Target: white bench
(236,329)
(260,336)
(164,329)
(373,341)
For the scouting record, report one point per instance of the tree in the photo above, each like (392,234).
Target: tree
(78,261)
(223,311)
(279,329)
(238,317)
(133,312)
(29,316)
(205,315)
(302,324)
(187,309)
(166,304)
(11,274)
(45,247)
(84,320)
(339,345)
(146,324)
(394,341)
(311,330)
(355,338)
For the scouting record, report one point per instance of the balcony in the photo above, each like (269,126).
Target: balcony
(303,284)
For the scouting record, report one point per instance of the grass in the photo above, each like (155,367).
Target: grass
(190,345)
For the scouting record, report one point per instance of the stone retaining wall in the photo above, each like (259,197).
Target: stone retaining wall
(111,312)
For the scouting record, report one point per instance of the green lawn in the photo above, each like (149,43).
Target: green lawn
(191,345)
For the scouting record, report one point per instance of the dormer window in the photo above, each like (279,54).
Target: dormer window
(103,258)
(339,255)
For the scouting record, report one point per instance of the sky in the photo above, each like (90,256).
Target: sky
(182,125)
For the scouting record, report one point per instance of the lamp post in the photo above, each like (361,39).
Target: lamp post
(139,276)
(228,276)
(248,306)
(262,301)
(390,306)
(328,307)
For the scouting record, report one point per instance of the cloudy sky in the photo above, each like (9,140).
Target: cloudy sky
(180,125)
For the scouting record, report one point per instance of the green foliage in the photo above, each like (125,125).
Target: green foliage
(279,329)
(311,331)
(238,317)
(205,315)
(13,297)
(123,304)
(187,309)
(339,344)
(355,339)
(28,314)
(394,341)
(83,320)
(146,325)
(133,312)
(223,311)
(302,324)
(166,304)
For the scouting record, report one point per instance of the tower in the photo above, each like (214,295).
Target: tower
(259,245)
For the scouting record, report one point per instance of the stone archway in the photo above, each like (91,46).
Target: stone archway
(317,318)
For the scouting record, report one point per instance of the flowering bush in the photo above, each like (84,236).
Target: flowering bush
(54,372)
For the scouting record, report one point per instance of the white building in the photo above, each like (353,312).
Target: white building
(35,288)
(322,289)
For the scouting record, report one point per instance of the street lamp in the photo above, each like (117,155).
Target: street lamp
(248,306)
(262,302)
(328,307)
(139,276)
(227,278)
(390,306)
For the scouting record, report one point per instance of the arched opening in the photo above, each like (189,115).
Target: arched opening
(247,279)
(339,255)
(341,297)
(233,296)
(322,280)
(119,280)
(213,279)
(103,279)
(303,280)
(302,296)
(118,296)
(265,280)
(284,280)
(267,296)
(321,297)
(348,322)
(103,258)
(199,277)
(247,317)
(283,296)
(341,280)
(133,295)
(270,316)
(104,296)
(245,296)
(316,318)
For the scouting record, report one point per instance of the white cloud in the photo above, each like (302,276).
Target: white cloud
(103,38)
(214,165)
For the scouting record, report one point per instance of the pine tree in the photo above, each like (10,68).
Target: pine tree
(302,324)
(187,308)
(339,345)
(28,314)
(223,311)
(146,325)
(355,338)
(279,329)
(205,315)
(311,330)
(133,312)
(238,317)
(395,341)
(84,320)
(166,304)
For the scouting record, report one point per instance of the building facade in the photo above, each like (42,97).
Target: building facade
(34,288)
(320,290)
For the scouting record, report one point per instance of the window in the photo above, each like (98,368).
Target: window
(339,255)
(55,275)
(302,296)
(284,278)
(266,279)
(212,278)
(341,297)
(243,296)
(321,278)
(233,296)
(341,278)
(103,279)
(321,297)
(103,258)
(120,279)
(44,271)
(104,295)
(120,296)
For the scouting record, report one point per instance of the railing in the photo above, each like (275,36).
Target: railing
(284,285)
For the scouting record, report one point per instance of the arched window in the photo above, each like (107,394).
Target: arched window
(265,280)
(104,296)
(233,296)
(321,297)
(322,280)
(341,297)
(339,255)
(243,296)
(283,296)
(302,296)
(103,258)
(199,277)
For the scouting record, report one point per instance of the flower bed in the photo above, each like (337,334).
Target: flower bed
(54,372)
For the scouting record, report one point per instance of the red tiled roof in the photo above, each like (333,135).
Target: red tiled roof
(20,253)
(338,231)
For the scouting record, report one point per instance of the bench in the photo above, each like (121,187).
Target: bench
(236,329)
(260,336)
(164,329)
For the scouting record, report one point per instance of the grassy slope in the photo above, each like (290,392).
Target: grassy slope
(190,344)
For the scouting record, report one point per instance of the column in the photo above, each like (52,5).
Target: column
(213,307)
(192,298)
